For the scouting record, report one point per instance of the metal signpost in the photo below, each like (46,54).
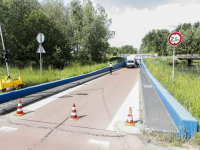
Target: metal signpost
(5,52)
(174,39)
(40,38)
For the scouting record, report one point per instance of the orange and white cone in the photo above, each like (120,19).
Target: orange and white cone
(130,121)
(19,109)
(73,114)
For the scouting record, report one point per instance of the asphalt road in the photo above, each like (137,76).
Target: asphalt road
(46,126)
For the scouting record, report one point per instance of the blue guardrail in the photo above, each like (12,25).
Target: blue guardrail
(184,121)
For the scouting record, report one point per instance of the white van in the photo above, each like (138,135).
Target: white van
(130,62)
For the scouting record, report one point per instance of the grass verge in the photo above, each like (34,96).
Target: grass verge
(31,76)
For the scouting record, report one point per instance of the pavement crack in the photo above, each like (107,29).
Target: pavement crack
(44,139)
(88,133)
(30,125)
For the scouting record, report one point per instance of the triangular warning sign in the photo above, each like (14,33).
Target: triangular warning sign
(40,49)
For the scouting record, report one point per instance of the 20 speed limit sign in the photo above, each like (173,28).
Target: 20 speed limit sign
(175,38)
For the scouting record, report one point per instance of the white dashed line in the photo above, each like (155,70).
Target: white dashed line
(8,129)
(102,144)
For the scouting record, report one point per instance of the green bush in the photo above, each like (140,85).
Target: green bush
(197,136)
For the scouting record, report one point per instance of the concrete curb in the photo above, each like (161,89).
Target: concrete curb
(184,121)
(34,89)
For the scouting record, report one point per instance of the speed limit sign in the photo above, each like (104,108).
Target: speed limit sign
(175,38)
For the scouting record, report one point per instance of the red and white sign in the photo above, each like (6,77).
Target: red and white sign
(175,38)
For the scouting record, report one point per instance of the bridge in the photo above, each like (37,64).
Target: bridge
(102,100)
(188,57)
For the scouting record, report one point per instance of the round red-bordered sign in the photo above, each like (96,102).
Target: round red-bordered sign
(175,38)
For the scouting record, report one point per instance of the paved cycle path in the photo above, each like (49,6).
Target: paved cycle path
(156,117)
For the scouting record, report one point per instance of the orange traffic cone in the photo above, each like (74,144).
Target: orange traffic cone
(130,121)
(73,114)
(19,109)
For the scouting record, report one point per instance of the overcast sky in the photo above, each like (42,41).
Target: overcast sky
(133,19)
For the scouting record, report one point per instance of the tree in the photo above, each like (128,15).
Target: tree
(21,22)
(80,27)
(76,12)
(155,42)
(128,49)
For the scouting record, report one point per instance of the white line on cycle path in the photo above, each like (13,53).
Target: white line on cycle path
(100,144)
(131,101)
(45,101)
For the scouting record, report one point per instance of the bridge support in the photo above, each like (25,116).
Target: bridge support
(189,61)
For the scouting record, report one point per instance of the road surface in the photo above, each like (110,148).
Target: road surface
(46,124)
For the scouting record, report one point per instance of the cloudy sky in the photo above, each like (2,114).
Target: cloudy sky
(133,19)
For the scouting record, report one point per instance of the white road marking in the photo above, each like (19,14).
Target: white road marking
(43,102)
(8,129)
(131,101)
(103,144)
(147,86)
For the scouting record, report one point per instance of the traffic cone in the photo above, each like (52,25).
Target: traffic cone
(130,121)
(73,114)
(19,109)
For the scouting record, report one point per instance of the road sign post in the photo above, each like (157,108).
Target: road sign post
(40,38)
(5,52)
(173,65)
(174,39)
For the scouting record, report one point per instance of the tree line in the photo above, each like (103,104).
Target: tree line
(125,49)
(80,30)
(156,40)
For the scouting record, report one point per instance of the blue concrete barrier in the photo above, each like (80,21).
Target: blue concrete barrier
(125,59)
(184,121)
(34,89)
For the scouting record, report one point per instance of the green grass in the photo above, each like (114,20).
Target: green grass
(186,87)
(31,76)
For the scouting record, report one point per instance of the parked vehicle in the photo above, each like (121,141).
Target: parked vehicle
(130,62)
